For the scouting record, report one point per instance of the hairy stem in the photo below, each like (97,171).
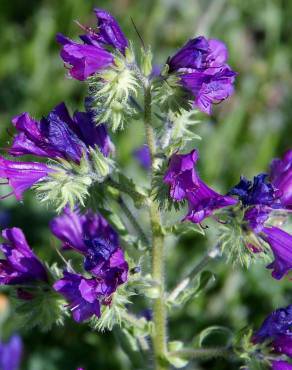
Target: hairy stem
(159,310)
(133,221)
(202,353)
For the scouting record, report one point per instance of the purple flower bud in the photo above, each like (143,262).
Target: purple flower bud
(82,294)
(281,245)
(88,58)
(22,175)
(11,353)
(58,135)
(185,183)
(143,156)
(21,264)
(281,365)
(192,55)
(72,228)
(281,178)
(85,59)
(181,174)
(109,31)
(201,65)
(276,330)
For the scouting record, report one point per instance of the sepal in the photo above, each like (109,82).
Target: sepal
(111,89)
(113,313)
(146,62)
(169,95)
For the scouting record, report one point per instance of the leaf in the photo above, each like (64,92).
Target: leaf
(211,330)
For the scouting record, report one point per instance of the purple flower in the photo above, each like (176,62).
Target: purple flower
(281,245)
(94,238)
(58,135)
(203,201)
(192,55)
(22,175)
(201,65)
(11,353)
(281,365)
(82,294)
(281,178)
(85,59)
(21,264)
(181,174)
(107,262)
(88,58)
(209,89)
(72,228)
(143,156)
(277,331)
(109,31)
(185,184)
(259,192)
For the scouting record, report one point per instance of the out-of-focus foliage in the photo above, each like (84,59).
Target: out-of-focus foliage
(240,138)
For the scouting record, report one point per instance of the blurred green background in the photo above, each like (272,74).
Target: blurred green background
(240,138)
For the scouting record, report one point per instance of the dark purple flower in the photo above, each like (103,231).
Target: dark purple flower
(143,156)
(281,365)
(201,65)
(88,58)
(185,184)
(278,323)
(283,344)
(106,261)
(82,294)
(192,55)
(281,178)
(21,264)
(58,135)
(11,353)
(276,330)
(22,175)
(85,59)
(281,245)
(259,192)
(256,217)
(203,201)
(72,228)
(181,174)
(209,89)
(109,31)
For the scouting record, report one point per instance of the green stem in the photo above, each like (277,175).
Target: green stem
(133,221)
(137,197)
(201,353)
(159,337)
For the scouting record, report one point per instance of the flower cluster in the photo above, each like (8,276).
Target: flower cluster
(259,201)
(92,237)
(276,334)
(202,69)
(76,148)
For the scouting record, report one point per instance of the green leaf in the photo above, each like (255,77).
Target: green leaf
(211,330)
